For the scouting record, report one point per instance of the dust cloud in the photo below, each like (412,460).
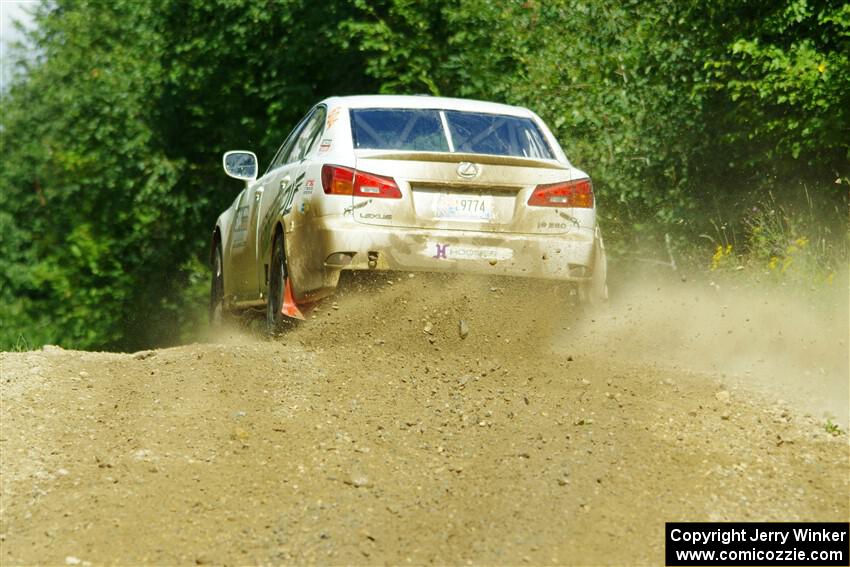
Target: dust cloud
(788,346)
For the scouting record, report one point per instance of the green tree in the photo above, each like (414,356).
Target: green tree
(781,86)
(112,138)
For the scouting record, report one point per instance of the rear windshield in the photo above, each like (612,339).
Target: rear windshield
(468,132)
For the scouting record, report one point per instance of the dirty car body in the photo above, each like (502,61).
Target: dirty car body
(409,183)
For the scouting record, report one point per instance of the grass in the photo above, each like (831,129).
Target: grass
(799,241)
(21,344)
(832,428)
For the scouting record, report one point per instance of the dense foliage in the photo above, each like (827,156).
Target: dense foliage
(112,140)
(113,127)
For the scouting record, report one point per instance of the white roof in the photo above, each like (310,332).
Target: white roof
(425,101)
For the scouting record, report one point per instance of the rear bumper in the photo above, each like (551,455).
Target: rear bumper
(350,246)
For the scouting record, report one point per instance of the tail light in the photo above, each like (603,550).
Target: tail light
(338,180)
(577,193)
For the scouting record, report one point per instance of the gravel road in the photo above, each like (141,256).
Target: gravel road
(375,434)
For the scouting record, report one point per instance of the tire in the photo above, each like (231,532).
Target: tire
(276,322)
(595,291)
(218,310)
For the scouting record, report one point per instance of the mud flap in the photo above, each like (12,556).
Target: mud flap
(600,272)
(289,308)
(595,291)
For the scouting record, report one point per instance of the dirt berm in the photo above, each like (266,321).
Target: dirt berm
(375,434)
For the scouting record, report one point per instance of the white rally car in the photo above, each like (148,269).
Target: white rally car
(411,183)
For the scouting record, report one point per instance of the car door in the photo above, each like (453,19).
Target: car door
(285,181)
(244,254)
(242,242)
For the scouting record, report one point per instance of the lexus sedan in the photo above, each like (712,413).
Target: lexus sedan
(413,183)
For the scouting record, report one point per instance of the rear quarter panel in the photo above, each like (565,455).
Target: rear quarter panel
(303,248)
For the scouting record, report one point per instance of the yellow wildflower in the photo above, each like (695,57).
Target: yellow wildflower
(717,258)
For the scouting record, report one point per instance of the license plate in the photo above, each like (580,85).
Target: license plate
(464,207)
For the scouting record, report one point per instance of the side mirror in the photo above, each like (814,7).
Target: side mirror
(240,165)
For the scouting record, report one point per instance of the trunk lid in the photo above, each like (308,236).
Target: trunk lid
(457,191)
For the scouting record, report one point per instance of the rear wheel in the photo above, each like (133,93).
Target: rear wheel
(218,310)
(275,320)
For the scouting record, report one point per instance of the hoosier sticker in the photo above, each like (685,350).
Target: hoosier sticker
(448,251)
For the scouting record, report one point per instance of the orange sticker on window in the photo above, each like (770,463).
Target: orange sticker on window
(333,116)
